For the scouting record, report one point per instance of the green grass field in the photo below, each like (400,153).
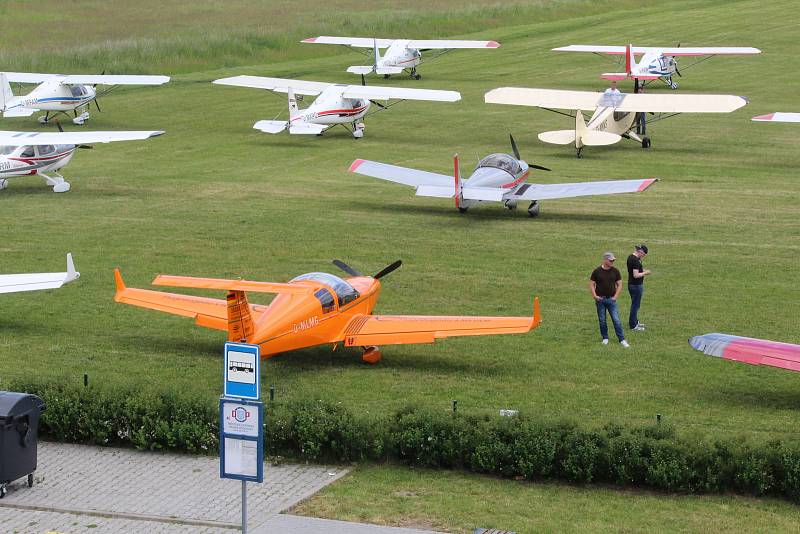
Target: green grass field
(214,197)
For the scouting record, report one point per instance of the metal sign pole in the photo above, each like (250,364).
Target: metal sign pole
(244,507)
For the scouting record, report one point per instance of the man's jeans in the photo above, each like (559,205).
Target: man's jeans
(636,300)
(610,305)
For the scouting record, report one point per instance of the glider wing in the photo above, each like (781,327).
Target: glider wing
(399,93)
(15,283)
(113,79)
(368,330)
(749,350)
(278,85)
(355,42)
(71,138)
(431,44)
(554,191)
(401,175)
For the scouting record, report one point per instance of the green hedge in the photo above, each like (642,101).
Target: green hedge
(651,456)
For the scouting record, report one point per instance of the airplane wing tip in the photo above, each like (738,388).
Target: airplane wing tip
(355,165)
(310,40)
(646,183)
(118,282)
(492,44)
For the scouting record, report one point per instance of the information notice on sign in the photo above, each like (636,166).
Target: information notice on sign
(241,439)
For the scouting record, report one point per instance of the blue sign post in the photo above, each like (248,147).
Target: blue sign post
(241,419)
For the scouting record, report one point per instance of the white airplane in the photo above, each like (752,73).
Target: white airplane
(15,283)
(615,115)
(496,178)
(401,54)
(656,62)
(335,103)
(45,153)
(59,94)
(778,116)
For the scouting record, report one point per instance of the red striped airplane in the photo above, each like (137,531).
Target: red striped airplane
(335,103)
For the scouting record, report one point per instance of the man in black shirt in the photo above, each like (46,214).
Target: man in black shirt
(605,285)
(636,274)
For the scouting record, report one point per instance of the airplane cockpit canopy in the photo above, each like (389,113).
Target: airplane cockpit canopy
(344,291)
(500,161)
(78,90)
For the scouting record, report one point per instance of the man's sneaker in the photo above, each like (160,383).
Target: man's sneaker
(605,341)
(624,343)
(639,327)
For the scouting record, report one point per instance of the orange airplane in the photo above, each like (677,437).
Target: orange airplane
(313,309)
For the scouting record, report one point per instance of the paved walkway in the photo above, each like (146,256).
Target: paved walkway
(104,490)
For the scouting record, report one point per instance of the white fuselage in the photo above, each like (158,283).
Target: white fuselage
(33,159)
(331,107)
(497,171)
(399,55)
(53,95)
(655,64)
(605,119)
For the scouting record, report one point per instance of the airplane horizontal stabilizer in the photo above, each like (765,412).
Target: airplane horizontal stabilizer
(558,137)
(307,129)
(437,191)
(19,112)
(388,70)
(360,69)
(593,138)
(271,127)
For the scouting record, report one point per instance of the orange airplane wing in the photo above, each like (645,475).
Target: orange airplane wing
(365,330)
(207,312)
(299,287)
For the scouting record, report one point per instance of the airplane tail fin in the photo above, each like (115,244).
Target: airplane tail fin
(629,60)
(240,321)
(376,55)
(294,109)
(457,181)
(580,128)
(72,274)
(5,88)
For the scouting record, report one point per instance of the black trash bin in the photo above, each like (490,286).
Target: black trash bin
(19,437)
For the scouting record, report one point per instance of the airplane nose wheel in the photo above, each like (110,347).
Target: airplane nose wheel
(645,142)
(372,354)
(533,209)
(462,210)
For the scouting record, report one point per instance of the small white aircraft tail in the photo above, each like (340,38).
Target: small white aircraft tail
(558,137)
(294,109)
(72,274)
(376,64)
(5,87)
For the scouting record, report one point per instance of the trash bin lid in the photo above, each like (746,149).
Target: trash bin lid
(15,404)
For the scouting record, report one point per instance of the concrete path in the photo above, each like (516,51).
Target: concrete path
(105,490)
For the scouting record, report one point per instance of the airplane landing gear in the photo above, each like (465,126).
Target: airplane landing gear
(462,210)
(578,152)
(386,76)
(58,183)
(510,204)
(372,354)
(3,184)
(415,75)
(44,118)
(358,130)
(645,142)
(533,209)
(81,119)
(671,83)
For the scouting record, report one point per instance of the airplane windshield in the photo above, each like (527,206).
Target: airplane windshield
(500,161)
(344,291)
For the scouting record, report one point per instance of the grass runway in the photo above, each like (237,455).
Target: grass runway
(213,197)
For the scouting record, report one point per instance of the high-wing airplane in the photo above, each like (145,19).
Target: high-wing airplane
(401,54)
(749,350)
(14,283)
(313,309)
(778,116)
(656,62)
(335,103)
(496,178)
(615,115)
(58,94)
(45,153)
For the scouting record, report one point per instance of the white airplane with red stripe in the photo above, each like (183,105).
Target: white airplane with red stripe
(656,62)
(401,54)
(58,94)
(335,103)
(45,153)
(496,178)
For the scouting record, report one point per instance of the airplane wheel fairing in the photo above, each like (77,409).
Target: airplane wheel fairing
(673,85)
(372,355)
(3,184)
(63,187)
(533,209)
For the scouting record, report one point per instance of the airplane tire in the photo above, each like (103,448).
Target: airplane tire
(462,210)
(533,209)
(417,76)
(385,76)
(645,142)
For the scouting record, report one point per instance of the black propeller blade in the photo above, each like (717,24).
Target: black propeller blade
(346,268)
(386,270)
(378,104)
(363,80)
(516,155)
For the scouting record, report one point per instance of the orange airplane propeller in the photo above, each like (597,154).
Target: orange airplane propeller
(313,309)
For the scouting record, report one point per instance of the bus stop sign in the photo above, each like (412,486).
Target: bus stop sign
(242,372)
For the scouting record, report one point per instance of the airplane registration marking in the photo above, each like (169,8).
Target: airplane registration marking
(311,322)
